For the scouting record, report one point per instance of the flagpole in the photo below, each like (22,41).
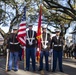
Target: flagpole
(21,36)
(24,58)
(41,1)
(39,31)
(25,50)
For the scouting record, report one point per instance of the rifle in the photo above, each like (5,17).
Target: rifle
(51,58)
(7,59)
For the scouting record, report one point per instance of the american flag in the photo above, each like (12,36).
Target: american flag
(21,36)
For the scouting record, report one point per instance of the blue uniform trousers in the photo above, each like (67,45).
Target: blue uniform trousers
(20,55)
(57,55)
(30,53)
(13,58)
(46,54)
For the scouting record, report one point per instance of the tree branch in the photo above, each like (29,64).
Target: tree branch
(69,11)
(69,2)
(66,18)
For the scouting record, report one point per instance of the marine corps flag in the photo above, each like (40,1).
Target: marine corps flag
(39,35)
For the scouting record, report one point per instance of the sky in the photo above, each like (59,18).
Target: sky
(5,29)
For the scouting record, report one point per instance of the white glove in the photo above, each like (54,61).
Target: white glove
(37,49)
(51,50)
(7,50)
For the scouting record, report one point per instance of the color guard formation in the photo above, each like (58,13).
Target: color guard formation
(53,45)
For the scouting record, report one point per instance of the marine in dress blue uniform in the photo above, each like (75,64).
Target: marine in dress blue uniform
(45,47)
(57,42)
(30,47)
(13,46)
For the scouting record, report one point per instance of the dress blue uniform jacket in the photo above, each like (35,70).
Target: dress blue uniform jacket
(13,44)
(57,44)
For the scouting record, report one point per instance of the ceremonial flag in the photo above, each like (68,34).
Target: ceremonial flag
(39,35)
(21,36)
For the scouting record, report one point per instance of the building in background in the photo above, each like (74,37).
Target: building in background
(68,40)
(1,45)
(74,36)
(1,40)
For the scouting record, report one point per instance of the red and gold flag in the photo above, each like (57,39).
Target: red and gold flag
(39,34)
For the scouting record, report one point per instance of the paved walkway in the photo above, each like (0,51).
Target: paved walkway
(69,66)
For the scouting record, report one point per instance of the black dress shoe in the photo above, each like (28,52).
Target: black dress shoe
(53,71)
(40,70)
(8,70)
(26,69)
(15,70)
(47,70)
(62,71)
